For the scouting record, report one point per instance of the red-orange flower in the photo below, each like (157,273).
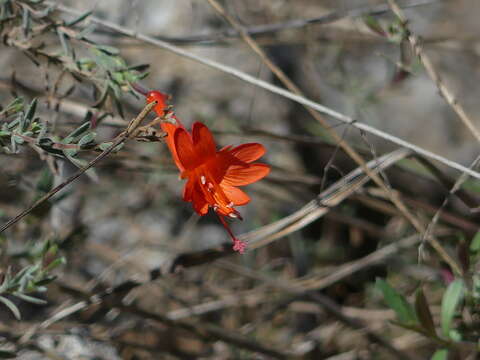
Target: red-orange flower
(213,176)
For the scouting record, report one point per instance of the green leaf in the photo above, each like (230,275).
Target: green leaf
(70,153)
(475,244)
(86,31)
(11,306)
(30,299)
(374,25)
(19,140)
(455,335)
(405,312)
(41,283)
(441,354)
(451,300)
(104,146)
(423,312)
(15,106)
(139,67)
(55,263)
(64,41)
(79,19)
(110,50)
(91,173)
(26,23)
(87,139)
(14,123)
(77,132)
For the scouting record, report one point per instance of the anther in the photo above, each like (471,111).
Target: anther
(230,205)
(203,180)
(233,215)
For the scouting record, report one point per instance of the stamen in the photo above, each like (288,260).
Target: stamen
(215,207)
(230,205)
(238,245)
(210,186)
(203,180)
(233,215)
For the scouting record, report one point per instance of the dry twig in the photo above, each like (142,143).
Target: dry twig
(132,126)
(274,89)
(339,140)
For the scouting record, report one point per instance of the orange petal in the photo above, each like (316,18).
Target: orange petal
(248,152)
(199,202)
(218,166)
(235,195)
(170,128)
(239,176)
(188,190)
(184,148)
(203,141)
(183,145)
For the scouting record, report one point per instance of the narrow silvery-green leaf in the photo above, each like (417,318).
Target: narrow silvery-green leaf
(110,50)
(475,244)
(441,354)
(77,132)
(11,306)
(30,299)
(64,42)
(450,302)
(26,21)
(31,111)
(87,139)
(79,19)
(19,140)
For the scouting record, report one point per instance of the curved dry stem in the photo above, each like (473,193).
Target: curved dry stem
(274,89)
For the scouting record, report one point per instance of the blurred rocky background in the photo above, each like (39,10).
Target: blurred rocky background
(125,222)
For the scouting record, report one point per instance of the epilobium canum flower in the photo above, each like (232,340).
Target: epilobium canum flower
(213,176)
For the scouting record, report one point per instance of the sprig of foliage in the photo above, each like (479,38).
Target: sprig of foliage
(418,317)
(24,24)
(31,279)
(22,127)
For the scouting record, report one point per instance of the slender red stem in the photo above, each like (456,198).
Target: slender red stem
(238,245)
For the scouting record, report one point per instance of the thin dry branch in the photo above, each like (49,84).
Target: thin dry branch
(272,88)
(306,284)
(433,73)
(315,209)
(132,126)
(266,29)
(332,196)
(396,200)
(325,302)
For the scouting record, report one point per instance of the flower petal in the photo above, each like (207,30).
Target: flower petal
(203,141)
(170,128)
(199,202)
(248,152)
(188,190)
(235,195)
(183,145)
(239,176)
